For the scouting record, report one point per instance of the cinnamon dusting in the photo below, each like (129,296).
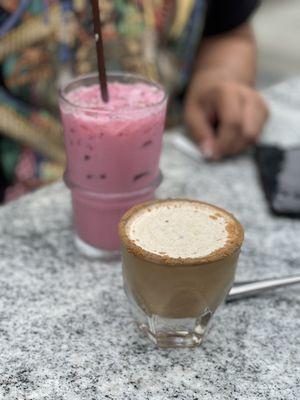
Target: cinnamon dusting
(233,244)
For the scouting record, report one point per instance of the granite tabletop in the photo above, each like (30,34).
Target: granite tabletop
(65,329)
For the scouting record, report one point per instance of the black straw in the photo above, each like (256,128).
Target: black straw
(100,51)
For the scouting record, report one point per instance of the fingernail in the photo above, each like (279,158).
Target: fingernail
(207,151)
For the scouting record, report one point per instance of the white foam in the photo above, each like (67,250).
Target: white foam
(179,229)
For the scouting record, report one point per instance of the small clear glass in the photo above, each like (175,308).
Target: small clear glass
(172,300)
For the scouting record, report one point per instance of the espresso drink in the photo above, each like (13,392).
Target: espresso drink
(179,261)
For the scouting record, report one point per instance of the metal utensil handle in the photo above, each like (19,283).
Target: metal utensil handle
(243,290)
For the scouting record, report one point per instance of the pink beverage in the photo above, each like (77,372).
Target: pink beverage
(113,151)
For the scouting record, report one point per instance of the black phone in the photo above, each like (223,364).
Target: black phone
(279,171)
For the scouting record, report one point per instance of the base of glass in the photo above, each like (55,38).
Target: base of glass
(171,332)
(92,252)
(175,337)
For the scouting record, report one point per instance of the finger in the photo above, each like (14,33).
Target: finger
(227,143)
(255,114)
(229,107)
(239,145)
(200,128)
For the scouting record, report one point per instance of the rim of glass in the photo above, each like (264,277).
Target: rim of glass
(229,250)
(63,88)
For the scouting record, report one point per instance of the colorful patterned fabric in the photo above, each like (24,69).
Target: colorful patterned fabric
(45,42)
(53,39)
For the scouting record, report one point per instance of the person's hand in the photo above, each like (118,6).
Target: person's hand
(224,117)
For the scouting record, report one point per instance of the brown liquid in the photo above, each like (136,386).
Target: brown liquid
(178,291)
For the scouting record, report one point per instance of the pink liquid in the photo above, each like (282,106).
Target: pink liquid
(112,148)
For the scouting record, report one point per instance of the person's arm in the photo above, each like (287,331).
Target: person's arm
(223,111)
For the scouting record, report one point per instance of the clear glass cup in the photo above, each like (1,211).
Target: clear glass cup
(172,303)
(112,155)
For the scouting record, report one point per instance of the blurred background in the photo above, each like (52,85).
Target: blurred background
(277,27)
(33,162)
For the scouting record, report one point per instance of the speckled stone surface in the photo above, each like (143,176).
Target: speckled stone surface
(65,330)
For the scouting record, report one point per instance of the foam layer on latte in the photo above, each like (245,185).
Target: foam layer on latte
(180,229)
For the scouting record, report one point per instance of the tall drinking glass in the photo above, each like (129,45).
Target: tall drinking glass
(113,151)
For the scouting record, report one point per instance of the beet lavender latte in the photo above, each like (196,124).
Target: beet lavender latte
(113,151)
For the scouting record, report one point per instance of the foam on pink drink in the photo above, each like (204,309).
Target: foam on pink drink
(112,148)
